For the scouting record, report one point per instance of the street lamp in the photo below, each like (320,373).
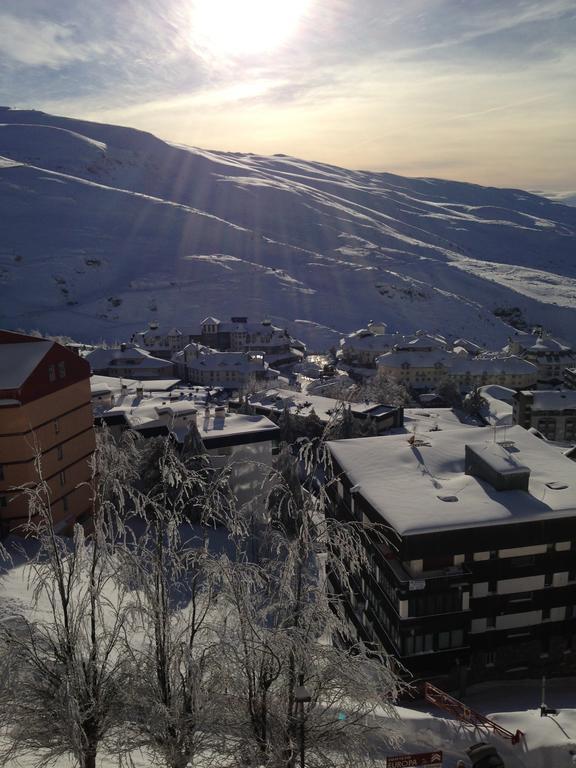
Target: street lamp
(302,696)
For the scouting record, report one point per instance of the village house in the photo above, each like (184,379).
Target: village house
(472,573)
(45,416)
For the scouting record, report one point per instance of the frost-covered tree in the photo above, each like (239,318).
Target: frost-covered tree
(283,618)
(61,666)
(173,642)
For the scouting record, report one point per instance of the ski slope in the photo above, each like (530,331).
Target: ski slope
(107,228)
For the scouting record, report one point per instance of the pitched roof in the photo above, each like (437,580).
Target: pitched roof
(19,360)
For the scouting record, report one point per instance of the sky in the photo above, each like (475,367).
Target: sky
(474,90)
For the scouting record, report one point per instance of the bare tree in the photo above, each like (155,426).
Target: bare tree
(61,668)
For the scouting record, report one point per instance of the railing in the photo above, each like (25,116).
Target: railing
(465,714)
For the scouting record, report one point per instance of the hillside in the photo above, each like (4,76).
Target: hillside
(106,228)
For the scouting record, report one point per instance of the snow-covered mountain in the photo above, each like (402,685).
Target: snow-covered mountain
(105,228)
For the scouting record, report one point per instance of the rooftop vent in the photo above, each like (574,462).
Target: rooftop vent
(557,486)
(495,465)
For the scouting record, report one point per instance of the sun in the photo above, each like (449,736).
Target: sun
(244,27)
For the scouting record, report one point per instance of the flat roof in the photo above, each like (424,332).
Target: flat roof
(422,487)
(302,404)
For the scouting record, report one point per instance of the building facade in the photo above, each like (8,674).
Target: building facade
(472,549)
(551,412)
(45,421)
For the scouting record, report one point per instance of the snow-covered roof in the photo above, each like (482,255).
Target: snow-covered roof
(497,404)
(367,341)
(175,414)
(210,321)
(554,400)
(129,357)
(409,484)
(303,403)
(18,361)
(100,385)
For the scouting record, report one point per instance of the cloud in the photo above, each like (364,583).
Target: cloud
(42,43)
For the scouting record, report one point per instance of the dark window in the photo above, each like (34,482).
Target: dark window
(545,613)
(62,369)
(443,640)
(3,501)
(571,575)
(437,563)
(492,586)
(56,426)
(51,373)
(491,622)
(494,554)
(60,453)
(548,579)
(551,547)
(62,477)
(521,562)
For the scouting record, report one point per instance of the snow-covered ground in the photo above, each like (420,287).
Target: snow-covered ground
(106,228)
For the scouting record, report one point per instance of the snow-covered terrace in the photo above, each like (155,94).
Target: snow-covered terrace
(422,487)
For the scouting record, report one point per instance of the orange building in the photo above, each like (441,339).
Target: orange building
(45,411)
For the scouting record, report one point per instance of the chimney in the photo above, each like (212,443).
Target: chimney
(493,463)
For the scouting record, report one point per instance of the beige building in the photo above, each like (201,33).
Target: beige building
(45,414)
(426,370)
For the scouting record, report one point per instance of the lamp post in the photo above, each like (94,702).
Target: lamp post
(302,696)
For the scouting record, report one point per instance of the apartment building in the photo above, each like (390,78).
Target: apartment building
(199,364)
(550,355)
(45,414)
(425,369)
(551,412)
(471,539)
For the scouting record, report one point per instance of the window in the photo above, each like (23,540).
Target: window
(521,562)
(548,579)
(551,547)
(60,453)
(56,426)
(3,501)
(490,622)
(492,586)
(62,477)
(489,658)
(62,369)
(494,554)
(545,613)
(51,373)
